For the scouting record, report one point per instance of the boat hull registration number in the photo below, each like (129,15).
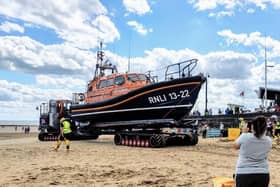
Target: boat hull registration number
(181,94)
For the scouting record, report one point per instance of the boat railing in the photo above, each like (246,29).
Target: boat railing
(181,69)
(151,78)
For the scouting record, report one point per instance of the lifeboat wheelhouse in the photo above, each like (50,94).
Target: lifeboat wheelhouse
(103,87)
(113,85)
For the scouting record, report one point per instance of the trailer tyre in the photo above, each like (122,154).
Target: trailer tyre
(41,136)
(157,140)
(187,140)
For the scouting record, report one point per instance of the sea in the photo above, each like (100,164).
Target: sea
(19,122)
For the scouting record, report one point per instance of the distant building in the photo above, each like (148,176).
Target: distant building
(273,95)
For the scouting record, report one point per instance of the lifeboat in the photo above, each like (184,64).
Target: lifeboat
(137,96)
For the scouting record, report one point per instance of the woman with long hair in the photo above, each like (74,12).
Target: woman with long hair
(252,169)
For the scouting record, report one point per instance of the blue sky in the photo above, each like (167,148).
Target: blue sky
(47,48)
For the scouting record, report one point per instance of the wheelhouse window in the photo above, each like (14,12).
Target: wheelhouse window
(119,80)
(110,82)
(132,77)
(143,77)
(101,84)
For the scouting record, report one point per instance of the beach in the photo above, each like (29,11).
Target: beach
(6,129)
(25,161)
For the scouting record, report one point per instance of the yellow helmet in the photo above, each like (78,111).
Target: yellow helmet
(62,119)
(241,119)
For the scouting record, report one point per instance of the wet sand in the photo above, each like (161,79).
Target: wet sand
(27,162)
(12,136)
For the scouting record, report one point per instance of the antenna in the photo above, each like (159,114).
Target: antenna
(129,53)
(100,58)
(265,75)
(128,68)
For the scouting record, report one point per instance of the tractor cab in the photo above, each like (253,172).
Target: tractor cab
(51,112)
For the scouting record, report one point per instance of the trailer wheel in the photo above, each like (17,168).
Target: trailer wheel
(157,140)
(187,140)
(118,139)
(41,136)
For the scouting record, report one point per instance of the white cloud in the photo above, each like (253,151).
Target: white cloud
(251,11)
(221,14)
(19,99)
(139,7)
(275,3)
(26,55)
(202,5)
(272,72)
(259,3)
(11,27)
(254,39)
(106,27)
(61,82)
(71,20)
(232,5)
(156,61)
(223,64)
(219,65)
(12,91)
(138,27)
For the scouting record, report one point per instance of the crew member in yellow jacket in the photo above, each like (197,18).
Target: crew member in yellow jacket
(65,133)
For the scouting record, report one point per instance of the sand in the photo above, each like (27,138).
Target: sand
(25,161)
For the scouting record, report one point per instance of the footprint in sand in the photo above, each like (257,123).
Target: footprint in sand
(54,183)
(44,169)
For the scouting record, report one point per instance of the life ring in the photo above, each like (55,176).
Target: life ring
(81,96)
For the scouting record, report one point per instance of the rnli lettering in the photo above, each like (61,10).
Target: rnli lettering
(157,99)
(181,94)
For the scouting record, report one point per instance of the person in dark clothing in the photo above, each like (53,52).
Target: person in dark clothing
(204,130)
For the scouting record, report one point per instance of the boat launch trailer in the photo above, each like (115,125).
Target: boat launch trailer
(138,133)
